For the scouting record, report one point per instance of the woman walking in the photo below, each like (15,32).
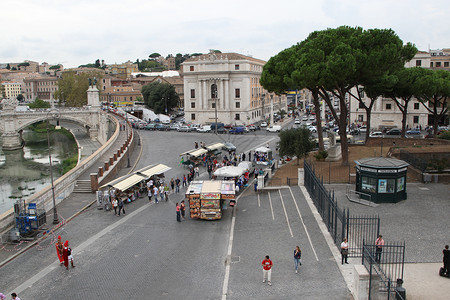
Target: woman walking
(297,258)
(183,209)
(344,251)
(114,204)
(121,208)
(178,213)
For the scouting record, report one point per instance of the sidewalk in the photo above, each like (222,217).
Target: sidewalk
(76,202)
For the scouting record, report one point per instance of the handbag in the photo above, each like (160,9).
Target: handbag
(344,251)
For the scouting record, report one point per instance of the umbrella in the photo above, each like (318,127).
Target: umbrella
(262,150)
(229,171)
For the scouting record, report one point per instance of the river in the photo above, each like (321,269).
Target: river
(26,171)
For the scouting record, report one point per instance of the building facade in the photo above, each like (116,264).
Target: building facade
(12,89)
(123,71)
(42,87)
(225,86)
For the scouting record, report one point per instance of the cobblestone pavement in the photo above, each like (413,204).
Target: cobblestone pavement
(264,223)
(422,221)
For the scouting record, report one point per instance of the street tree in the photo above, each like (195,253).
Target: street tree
(296,141)
(154,55)
(72,87)
(20,98)
(160,97)
(39,103)
(433,91)
(405,88)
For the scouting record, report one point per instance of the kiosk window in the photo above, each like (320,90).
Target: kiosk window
(400,184)
(368,184)
(386,185)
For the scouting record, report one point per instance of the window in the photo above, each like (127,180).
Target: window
(386,185)
(238,117)
(192,116)
(213,91)
(191,68)
(213,105)
(416,105)
(360,118)
(361,92)
(438,64)
(236,67)
(431,64)
(238,104)
(418,63)
(368,184)
(192,104)
(361,105)
(192,93)
(415,119)
(446,64)
(388,106)
(400,184)
(237,93)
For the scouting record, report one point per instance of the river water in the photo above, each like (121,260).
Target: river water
(26,171)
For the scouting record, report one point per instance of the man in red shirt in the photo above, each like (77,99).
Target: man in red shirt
(267,270)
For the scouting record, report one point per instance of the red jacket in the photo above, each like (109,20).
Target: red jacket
(267,264)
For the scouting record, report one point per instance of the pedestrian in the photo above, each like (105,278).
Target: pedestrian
(2,296)
(177,185)
(172,184)
(183,209)
(344,251)
(267,270)
(379,243)
(255,184)
(149,194)
(178,213)
(297,258)
(243,156)
(121,207)
(166,192)
(197,171)
(184,181)
(68,256)
(155,193)
(60,250)
(446,260)
(14,296)
(114,204)
(250,156)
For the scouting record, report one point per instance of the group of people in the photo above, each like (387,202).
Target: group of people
(64,253)
(267,265)
(379,244)
(181,211)
(13,296)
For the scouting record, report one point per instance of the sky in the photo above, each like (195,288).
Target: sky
(79,32)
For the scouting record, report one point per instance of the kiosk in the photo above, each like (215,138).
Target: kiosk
(381,179)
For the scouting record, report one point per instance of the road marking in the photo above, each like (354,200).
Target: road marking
(30,282)
(285,213)
(271,208)
(259,201)
(304,226)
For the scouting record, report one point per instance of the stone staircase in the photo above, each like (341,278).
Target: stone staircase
(82,186)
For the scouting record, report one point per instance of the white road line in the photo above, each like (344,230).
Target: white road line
(259,201)
(285,213)
(271,208)
(29,283)
(304,226)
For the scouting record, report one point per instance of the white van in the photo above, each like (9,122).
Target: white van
(204,128)
(274,128)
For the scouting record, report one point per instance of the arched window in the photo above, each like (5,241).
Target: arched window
(213,91)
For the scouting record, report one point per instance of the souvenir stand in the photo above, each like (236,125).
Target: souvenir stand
(263,156)
(214,149)
(206,198)
(191,157)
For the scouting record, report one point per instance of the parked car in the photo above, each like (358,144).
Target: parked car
(297,121)
(394,131)
(312,118)
(251,127)
(204,128)
(237,130)
(150,126)
(229,147)
(194,127)
(184,128)
(174,126)
(312,128)
(166,121)
(355,131)
(363,128)
(413,131)
(305,118)
(263,124)
(376,134)
(274,128)
(221,130)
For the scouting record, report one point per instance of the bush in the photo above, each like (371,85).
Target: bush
(445,135)
(321,155)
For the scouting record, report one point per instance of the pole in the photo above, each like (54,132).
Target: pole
(215,105)
(128,148)
(55,214)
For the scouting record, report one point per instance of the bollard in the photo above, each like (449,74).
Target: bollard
(106,167)
(111,161)
(115,156)
(400,292)
(100,171)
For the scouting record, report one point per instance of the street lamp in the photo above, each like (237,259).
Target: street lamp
(55,214)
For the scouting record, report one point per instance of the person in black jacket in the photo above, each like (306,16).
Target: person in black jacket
(446,260)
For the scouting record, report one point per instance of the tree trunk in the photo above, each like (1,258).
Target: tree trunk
(435,120)
(318,120)
(369,117)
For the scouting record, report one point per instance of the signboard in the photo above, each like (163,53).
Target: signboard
(211,196)
(210,204)
(382,185)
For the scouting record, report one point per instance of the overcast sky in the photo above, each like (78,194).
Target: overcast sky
(79,32)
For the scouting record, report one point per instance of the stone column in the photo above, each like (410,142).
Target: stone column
(198,95)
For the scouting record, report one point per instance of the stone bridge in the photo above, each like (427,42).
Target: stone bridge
(12,122)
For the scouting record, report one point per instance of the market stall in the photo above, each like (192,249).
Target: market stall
(206,198)
(263,156)
(192,157)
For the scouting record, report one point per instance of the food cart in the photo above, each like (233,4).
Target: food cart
(206,198)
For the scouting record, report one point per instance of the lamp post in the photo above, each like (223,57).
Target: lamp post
(55,214)
(126,130)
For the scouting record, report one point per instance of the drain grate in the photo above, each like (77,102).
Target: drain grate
(235,259)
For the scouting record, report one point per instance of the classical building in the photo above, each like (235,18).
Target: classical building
(12,89)
(225,86)
(42,87)
(123,71)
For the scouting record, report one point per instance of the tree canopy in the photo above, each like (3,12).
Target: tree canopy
(72,87)
(159,96)
(39,103)
(296,141)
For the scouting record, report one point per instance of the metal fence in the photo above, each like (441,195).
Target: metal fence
(385,270)
(360,229)
(289,181)
(333,217)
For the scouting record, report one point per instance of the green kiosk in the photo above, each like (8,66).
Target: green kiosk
(384,179)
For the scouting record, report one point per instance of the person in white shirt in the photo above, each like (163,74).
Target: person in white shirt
(344,251)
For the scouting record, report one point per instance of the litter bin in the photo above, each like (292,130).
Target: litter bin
(400,292)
